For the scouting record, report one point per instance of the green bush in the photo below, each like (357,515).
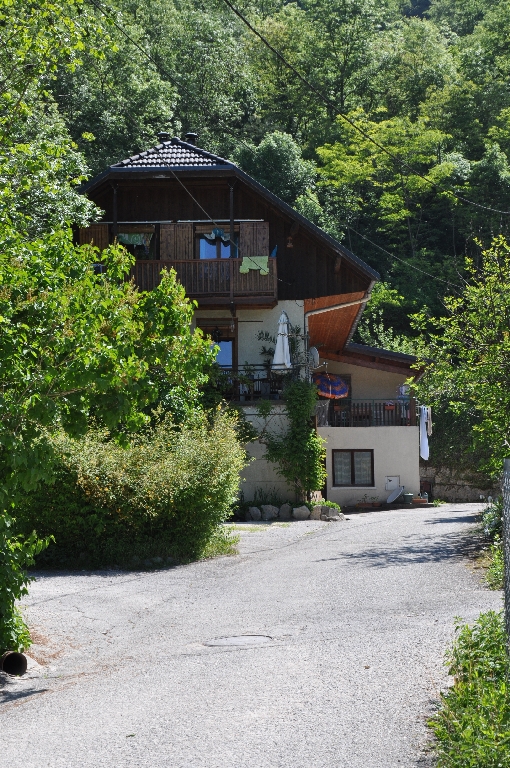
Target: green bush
(492,519)
(299,454)
(165,494)
(16,554)
(496,571)
(472,726)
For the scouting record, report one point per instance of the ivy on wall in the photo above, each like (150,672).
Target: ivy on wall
(299,453)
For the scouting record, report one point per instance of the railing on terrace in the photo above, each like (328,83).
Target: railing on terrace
(258,384)
(209,277)
(366,413)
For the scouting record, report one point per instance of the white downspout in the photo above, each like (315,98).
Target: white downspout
(333,306)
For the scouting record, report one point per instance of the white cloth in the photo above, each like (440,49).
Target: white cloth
(429,421)
(281,359)
(424,438)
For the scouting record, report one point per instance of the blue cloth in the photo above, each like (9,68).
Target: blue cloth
(331,385)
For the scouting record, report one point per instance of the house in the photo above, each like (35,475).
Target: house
(244,256)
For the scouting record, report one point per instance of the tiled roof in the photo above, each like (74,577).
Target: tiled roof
(174,153)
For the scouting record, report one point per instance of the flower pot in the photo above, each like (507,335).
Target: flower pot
(364,505)
(376,503)
(408,498)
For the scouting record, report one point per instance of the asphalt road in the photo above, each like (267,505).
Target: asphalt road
(355,615)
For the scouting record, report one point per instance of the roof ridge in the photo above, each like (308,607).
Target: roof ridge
(174,142)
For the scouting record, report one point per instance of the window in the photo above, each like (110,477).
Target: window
(223,333)
(138,240)
(225,356)
(354,467)
(214,244)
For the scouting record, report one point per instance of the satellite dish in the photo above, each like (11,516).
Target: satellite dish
(313,357)
(394,495)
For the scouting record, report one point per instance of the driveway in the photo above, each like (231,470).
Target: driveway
(351,622)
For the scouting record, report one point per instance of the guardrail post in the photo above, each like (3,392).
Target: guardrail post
(506,545)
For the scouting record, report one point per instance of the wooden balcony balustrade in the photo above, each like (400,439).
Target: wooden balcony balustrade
(366,413)
(210,278)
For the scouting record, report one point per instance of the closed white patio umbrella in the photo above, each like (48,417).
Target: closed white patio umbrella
(281,359)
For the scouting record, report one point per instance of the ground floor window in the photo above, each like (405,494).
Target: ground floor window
(353,467)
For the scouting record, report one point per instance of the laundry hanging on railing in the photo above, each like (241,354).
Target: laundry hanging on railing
(254,262)
(425,417)
(331,385)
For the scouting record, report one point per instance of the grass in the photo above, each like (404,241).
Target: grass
(496,569)
(438,502)
(223,542)
(492,558)
(248,528)
(472,725)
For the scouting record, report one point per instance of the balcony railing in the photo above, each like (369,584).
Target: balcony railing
(366,413)
(210,277)
(258,383)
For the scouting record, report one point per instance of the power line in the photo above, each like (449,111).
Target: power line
(177,84)
(352,123)
(407,263)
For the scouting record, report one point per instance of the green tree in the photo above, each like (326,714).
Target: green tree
(39,173)
(460,15)
(378,194)
(278,165)
(16,554)
(470,348)
(36,38)
(76,345)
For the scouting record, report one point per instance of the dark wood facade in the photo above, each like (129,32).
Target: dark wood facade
(307,265)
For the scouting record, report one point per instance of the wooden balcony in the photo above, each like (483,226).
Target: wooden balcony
(213,281)
(366,413)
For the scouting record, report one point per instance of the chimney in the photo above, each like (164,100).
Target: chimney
(163,136)
(191,138)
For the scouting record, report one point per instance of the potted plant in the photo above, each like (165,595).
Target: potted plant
(364,502)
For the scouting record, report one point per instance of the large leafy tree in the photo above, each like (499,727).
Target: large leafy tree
(470,351)
(76,345)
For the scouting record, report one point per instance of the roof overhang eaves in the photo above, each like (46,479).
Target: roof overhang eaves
(157,172)
(362,349)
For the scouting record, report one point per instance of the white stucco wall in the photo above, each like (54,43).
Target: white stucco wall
(396,452)
(260,475)
(251,321)
(368,383)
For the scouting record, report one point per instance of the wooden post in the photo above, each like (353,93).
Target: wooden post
(233,249)
(115,227)
(412,412)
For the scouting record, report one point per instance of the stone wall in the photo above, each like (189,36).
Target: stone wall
(449,485)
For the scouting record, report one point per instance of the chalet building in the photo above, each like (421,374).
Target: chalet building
(245,256)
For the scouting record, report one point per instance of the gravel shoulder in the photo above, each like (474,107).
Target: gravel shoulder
(357,615)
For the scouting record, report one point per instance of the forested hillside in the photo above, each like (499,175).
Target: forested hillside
(427,84)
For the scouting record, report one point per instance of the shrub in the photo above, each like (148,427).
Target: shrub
(164,494)
(496,570)
(16,554)
(492,519)
(472,726)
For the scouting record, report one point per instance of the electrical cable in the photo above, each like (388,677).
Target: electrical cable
(407,263)
(249,147)
(352,123)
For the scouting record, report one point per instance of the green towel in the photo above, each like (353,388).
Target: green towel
(255,262)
